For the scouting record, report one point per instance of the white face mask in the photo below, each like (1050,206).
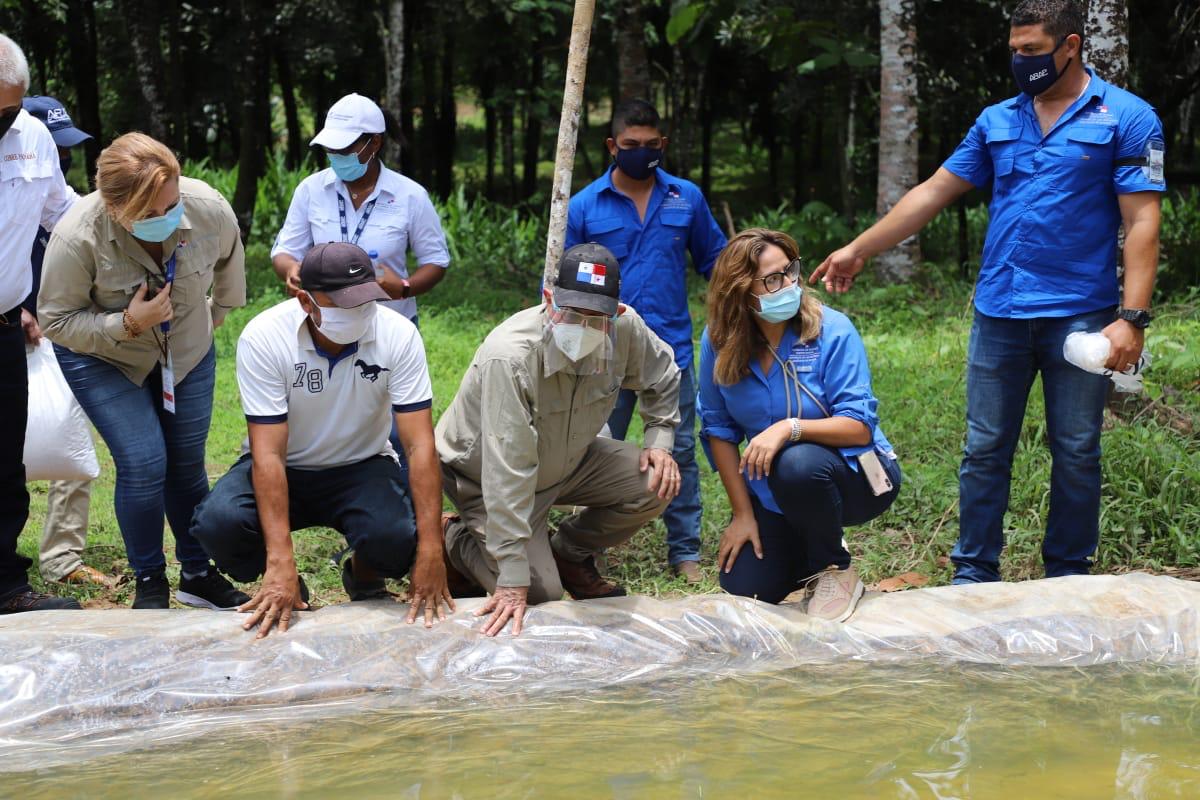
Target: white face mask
(577,341)
(346,325)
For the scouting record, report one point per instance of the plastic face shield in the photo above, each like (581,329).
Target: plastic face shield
(576,343)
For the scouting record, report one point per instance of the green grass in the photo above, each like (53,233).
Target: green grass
(916,336)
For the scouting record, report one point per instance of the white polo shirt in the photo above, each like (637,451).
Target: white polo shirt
(403,217)
(32,193)
(336,408)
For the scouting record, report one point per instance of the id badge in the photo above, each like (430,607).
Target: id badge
(877,477)
(168,384)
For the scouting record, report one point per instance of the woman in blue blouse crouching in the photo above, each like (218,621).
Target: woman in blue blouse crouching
(789,375)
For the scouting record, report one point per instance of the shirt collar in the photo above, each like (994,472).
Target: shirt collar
(663,181)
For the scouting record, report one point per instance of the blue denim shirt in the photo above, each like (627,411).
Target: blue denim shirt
(834,368)
(1051,247)
(652,253)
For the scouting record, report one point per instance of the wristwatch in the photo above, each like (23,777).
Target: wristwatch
(1137,317)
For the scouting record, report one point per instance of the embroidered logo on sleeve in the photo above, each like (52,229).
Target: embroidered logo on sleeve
(591,273)
(1155,154)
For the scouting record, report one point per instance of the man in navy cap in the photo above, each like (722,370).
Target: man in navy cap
(65,531)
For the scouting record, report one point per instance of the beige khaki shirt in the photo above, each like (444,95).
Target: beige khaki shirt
(93,267)
(515,431)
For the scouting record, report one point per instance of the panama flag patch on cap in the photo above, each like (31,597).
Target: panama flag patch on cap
(591,273)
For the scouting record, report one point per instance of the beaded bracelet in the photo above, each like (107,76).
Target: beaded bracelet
(132,329)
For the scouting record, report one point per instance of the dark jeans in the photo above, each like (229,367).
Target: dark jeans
(159,456)
(366,502)
(1003,358)
(818,494)
(682,516)
(14,409)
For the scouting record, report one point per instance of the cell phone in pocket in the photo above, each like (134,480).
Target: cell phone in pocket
(877,477)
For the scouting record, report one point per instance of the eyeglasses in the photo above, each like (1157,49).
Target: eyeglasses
(567,316)
(774,282)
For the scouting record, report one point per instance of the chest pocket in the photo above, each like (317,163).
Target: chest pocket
(1089,151)
(1002,145)
(194,269)
(676,221)
(116,281)
(25,186)
(610,232)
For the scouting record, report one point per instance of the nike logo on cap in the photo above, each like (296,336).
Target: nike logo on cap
(356,270)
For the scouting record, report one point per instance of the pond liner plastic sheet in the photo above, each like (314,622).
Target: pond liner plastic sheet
(74,685)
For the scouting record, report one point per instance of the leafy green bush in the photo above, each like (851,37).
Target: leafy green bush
(816,227)
(1179,262)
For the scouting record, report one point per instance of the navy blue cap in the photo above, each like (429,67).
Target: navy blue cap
(55,117)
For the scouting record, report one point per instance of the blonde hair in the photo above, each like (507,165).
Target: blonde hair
(731,328)
(129,174)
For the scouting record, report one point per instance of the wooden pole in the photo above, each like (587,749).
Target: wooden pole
(568,134)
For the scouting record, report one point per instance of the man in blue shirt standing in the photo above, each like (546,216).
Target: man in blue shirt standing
(650,220)
(1070,160)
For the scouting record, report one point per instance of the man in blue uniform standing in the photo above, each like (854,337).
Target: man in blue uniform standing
(650,221)
(1070,160)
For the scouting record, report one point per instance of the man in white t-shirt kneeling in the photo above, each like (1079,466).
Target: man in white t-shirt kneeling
(317,374)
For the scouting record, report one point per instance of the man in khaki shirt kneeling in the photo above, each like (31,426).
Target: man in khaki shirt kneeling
(520,437)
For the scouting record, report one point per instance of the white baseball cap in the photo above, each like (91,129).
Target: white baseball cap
(348,119)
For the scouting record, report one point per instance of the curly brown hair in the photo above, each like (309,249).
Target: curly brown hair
(732,330)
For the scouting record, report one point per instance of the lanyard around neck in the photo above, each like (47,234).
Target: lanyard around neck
(362,222)
(789,372)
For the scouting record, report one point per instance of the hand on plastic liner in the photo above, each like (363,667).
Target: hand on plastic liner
(274,602)
(507,602)
(839,269)
(1127,341)
(741,529)
(760,453)
(428,588)
(665,479)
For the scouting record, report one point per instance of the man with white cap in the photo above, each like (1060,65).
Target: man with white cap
(34,193)
(64,534)
(359,200)
(520,437)
(320,375)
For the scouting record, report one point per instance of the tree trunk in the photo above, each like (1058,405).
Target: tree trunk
(393,53)
(633,66)
(447,118)
(176,83)
(533,125)
(255,122)
(706,137)
(1106,38)
(849,143)
(145,34)
(291,114)
(81,40)
(508,148)
(898,139)
(487,96)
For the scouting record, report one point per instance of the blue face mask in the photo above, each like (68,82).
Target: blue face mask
(780,306)
(639,163)
(347,167)
(1036,74)
(157,229)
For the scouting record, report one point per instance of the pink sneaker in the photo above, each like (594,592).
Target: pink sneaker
(836,594)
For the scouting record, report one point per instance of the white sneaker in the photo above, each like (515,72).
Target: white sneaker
(836,594)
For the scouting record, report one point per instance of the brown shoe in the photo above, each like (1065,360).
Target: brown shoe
(583,581)
(689,570)
(87,576)
(459,585)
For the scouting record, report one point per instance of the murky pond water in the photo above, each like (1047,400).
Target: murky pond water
(847,731)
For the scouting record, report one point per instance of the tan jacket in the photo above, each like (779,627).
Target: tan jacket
(515,432)
(93,266)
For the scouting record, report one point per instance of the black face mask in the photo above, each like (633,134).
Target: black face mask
(65,162)
(7,120)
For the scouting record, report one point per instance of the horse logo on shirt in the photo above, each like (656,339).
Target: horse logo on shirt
(370,371)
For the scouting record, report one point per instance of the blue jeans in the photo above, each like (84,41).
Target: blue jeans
(1003,358)
(682,516)
(159,456)
(819,494)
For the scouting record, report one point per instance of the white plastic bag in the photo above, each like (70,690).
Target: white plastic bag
(58,441)
(1089,351)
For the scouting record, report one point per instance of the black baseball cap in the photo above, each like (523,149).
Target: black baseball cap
(588,277)
(55,117)
(343,271)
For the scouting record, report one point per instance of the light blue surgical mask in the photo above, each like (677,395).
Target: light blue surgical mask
(347,167)
(780,306)
(158,229)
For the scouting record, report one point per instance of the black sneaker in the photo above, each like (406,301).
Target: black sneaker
(152,591)
(210,590)
(362,590)
(36,601)
(303,588)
